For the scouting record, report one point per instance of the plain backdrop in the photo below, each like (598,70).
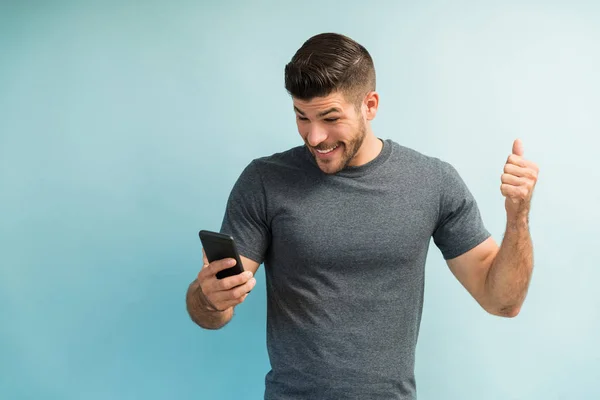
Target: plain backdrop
(123,127)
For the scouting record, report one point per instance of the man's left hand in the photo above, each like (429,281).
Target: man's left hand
(518,182)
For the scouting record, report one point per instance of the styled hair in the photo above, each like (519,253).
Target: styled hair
(327,63)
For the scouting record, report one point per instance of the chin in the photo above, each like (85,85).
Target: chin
(334,166)
(330,168)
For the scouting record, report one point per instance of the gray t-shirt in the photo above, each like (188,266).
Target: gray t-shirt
(344,259)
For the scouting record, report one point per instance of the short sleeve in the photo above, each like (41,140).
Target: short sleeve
(459,226)
(245,216)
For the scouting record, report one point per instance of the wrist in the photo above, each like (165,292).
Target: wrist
(206,305)
(517,221)
(202,303)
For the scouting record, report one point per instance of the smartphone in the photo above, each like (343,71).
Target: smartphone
(218,246)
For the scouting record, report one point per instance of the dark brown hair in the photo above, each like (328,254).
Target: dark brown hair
(327,63)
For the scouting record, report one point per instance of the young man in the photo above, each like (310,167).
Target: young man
(343,225)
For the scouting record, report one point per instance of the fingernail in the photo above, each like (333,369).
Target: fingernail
(248,274)
(231,262)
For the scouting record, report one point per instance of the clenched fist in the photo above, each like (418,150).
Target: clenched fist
(518,181)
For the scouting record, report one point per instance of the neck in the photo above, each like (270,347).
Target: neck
(369,150)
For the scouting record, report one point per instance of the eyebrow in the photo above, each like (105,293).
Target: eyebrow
(321,114)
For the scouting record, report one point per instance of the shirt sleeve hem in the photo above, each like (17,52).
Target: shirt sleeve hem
(468,245)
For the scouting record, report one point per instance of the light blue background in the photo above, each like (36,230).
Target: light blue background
(123,127)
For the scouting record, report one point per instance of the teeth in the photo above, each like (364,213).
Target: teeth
(327,151)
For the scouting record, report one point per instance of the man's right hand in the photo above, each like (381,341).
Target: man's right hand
(221,294)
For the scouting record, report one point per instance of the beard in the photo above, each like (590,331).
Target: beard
(350,150)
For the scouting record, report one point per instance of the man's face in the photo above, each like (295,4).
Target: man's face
(327,123)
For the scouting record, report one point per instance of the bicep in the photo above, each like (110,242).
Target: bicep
(471,269)
(249,265)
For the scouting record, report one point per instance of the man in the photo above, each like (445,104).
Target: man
(343,226)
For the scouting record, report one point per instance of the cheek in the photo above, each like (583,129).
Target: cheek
(341,131)
(302,130)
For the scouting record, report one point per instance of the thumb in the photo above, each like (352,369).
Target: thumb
(518,147)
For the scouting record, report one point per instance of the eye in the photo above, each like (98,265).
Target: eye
(331,119)
(302,118)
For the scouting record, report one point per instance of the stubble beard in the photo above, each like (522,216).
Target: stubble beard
(348,154)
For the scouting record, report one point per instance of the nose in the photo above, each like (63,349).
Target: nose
(315,135)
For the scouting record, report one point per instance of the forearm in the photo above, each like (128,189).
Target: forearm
(508,278)
(199,313)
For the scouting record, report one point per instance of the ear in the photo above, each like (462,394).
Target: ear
(370,105)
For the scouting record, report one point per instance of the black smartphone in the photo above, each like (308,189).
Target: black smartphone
(218,246)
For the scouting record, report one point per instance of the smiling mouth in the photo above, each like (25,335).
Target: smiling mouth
(328,150)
